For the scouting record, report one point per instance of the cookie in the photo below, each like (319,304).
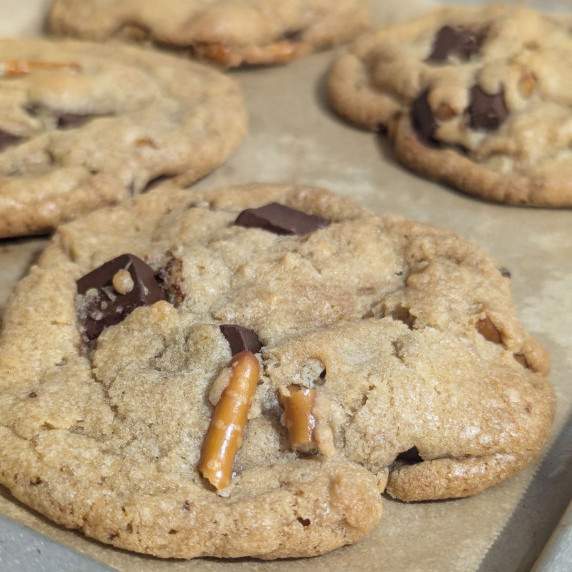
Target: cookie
(477,98)
(243,372)
(230,33)
(85,125)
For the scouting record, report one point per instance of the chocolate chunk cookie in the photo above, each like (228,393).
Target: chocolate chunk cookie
(228,32)
(84,125)
(177,381)
(478,98)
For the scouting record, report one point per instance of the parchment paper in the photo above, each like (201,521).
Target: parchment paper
(294,137)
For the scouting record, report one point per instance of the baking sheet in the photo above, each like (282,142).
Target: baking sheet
(294,138)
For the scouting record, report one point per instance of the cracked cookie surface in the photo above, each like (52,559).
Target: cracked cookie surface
(85,125)
(478,98)
(228,32)
(432,387)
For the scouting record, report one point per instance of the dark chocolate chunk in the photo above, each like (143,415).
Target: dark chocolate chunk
(411,456)
(486,111)
(107,307)
(7,139)
(170,278)
(240,339)
(63,119)
(280,219)
(422,118)
(458,42)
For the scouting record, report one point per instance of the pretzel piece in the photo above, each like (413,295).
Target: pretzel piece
(297,418)
(305,417)
(17,68)
(225,55)
(224,436)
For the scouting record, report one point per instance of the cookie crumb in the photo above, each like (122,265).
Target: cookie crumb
(122,282)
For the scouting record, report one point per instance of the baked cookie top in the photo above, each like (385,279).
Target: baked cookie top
(228,32)
(389,353)
(84,125)
(477,97)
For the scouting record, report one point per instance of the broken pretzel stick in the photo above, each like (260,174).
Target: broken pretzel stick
(224,436)
(225,55)
(17,68)
(305,417)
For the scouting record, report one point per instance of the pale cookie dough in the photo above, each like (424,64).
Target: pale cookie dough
(85,125)
(428,384)
(228,32)
(480,99)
